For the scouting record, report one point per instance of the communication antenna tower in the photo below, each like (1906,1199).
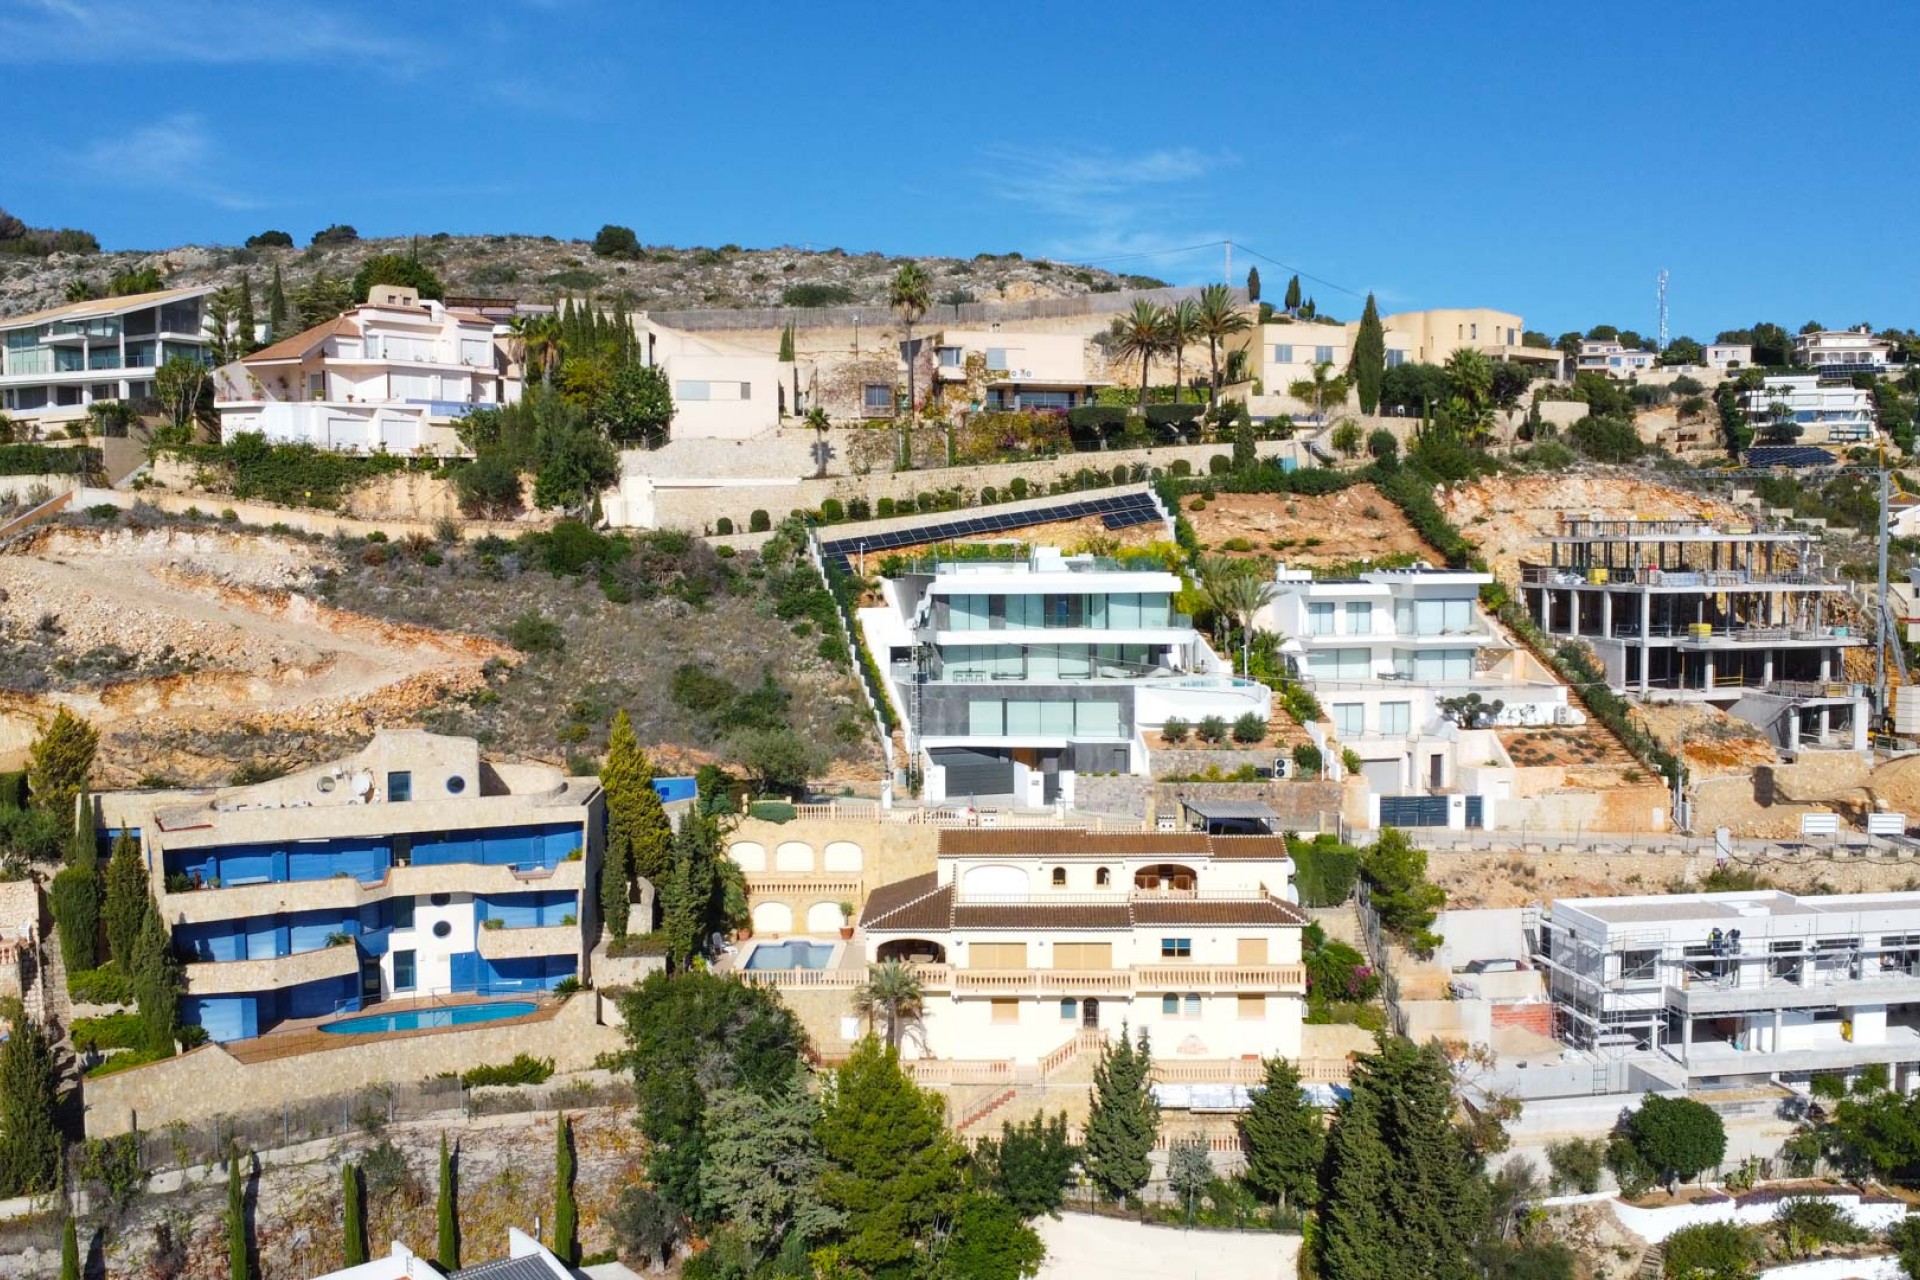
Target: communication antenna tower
(1661,344)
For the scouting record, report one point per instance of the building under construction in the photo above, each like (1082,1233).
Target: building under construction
(1742,617)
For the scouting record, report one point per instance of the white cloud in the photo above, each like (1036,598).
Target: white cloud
(200,31)
(172,154)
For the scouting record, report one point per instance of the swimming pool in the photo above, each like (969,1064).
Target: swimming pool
(790,955)
(459,1015)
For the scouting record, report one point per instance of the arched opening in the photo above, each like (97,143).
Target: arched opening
(1166,877)
(1059,877)
(1089,1012)
(913,951)
(773,917)
(1103,877)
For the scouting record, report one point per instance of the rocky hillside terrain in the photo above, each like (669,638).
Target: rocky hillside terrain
(540,269)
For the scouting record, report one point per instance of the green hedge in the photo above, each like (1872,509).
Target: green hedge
(13,790)
(114,1031)
(105,985)
(47,460)
(1098,415)
(771,811)
(524,1069)
(1174,415)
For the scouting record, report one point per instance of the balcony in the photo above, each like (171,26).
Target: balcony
(1246,979)
(518,944)
(1702,996)
(199,906)
(228,977)
(1674,579)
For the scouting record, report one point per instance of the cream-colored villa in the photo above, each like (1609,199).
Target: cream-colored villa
(1027,938)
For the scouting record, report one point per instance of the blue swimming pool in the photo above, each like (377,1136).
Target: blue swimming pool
(460,1015)
(790,955)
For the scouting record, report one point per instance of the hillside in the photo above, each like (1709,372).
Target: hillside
(540,269)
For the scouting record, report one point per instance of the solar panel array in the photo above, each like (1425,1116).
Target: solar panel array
(1116,511)
(1789,455)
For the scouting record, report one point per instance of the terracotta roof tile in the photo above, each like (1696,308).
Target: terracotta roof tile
(918,902)
(1042,915)
(1067,842)
(298,345)
(1203,911)
(1258,847)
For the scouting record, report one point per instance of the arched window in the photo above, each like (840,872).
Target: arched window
(1059,877)
(1103,877)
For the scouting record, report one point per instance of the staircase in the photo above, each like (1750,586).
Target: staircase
(46,999)
(1653,1263)
(979,1113)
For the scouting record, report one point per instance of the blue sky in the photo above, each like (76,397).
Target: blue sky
(1458,154)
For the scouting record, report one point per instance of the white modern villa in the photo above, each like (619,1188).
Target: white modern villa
(1843,349)
(59,361)
(1394,657)
(1827,409)
(721,390)
(1012,676)
(1030,942)
(1740,986)
(393,375)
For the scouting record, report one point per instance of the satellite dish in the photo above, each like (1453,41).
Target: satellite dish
(363,784)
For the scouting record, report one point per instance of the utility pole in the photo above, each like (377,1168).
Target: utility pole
(1880,607)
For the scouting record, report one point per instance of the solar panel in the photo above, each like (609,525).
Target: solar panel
(1116,511)
(1790,455)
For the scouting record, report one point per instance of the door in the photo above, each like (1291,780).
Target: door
(1089,1013)
(997,955)
(1251,951)
(1083,955)
(1476,811)
(370,980)
(1436,772)
(974,773)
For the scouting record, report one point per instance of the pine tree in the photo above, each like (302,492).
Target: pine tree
(126,900)
(276,305)
(29,1094)
(69,1251)
(1284,1139)
(449,1213)
(58,762)
(1369,357)
(353,1205)
(566,1215)
(893,1168)
(1292,303)
(236,1220)
(1124,1119)
(1253,284)
(1399,1195)
(156,983)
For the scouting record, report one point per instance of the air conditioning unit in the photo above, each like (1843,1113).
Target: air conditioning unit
(1563,715)
(1283,767)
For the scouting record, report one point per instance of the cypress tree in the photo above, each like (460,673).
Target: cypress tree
(1400,1192)
(69,1251)
(1124,1119)
(243,316)
(1284,1139)
(156,983)
(449,1213)
(1253,284)
(75,891)
(1369,357)
(354,1206)
(236,1220)
(639,836)
(276,304)
(566,1215)
(1292,303)
(786,344)
(29,1093)
(126,901)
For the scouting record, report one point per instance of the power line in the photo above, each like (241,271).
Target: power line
(1149,253)
(1304,275)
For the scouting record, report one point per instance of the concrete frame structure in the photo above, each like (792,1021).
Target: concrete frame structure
(409,869)
(55,363)
(1381,652)
(1027,940)
(1845,349)
(1013,675)
(1612,358)
(1733,986)
(1829,409)
(393,375)
(1023,371)
(1687,610)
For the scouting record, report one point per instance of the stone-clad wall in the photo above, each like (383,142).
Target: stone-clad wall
(210,1082)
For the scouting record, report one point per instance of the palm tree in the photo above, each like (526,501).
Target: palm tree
(817,419)
(1240,596)
(910,294)
(537,338)
(893,993)
(1220,318)
(1183,326)
(1323,386)
(1141,332)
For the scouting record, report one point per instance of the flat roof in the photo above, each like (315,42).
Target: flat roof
(1738,905)
(96,307)
(1220,810)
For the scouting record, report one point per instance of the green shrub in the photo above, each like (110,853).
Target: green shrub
(1220,464)
(1249,729)
(832,512)
(104,512)
(1175,731)
(524,1069)
(1711,1251)
(534,632)
(1324,871)
(861,509)
(771,811)
(1018,487)
(1306,758)
(46,460)
(723,527)
(759,521)
(1180,467)
(1212,730)
(113,1031)
(13,789)
(1577,1164)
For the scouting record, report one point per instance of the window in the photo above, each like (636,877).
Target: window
(1103,877)
(400,785)
(1349,719)
(1193,1005)
(1283,355)
(1359,618)
(1096,956)
(440,899)
(877,395)
(692,389)
(1473,331)
(746,391)
(1395,359)
(1396,718)
(1069,1010)
(1340,664)
(403,913)
(403,979)
(997,955)
(1320,619)
(1323,355)
(951,357)
(1059,877)
(1006,1012)
(997,359)
(1174,1006)
(1640,964)
(1169,1005)
(442,928)
(1253,1008)
(456,784)
(1176,948)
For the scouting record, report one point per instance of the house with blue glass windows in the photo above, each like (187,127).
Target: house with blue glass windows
(410,869)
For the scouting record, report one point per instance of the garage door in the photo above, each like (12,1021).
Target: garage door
(1413,811)
(974,773)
